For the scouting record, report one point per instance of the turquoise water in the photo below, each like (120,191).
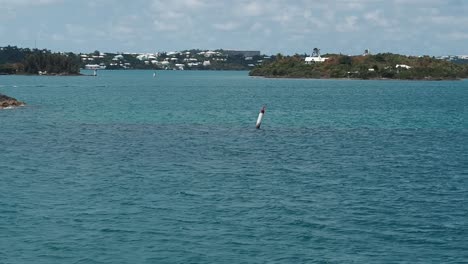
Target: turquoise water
(126,168)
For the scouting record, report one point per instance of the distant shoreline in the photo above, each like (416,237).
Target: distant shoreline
(52,74)
(253,76)
(357,79)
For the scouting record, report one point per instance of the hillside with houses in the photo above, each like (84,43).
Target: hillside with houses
(365,66)
(175,60)
(14,60)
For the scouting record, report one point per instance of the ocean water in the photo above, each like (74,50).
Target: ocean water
(127,168)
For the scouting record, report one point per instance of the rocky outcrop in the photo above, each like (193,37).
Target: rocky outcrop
(6,101)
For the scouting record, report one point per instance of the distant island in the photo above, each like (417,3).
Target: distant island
(366,66)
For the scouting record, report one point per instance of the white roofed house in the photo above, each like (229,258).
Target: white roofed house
(118,57)
(404,66)
(144,57)
(311,60)
(315,58)
(211,53)
(95,67)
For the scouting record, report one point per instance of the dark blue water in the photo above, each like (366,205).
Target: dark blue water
(126,168)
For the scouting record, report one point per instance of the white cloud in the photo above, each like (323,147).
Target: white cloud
(164,26)
(253,9)
(193,3)
(177,15)
(267,24)
(229,26)
(350,24)
(356,5)
(58,37)
(185,5)
(28,2)
(257,26)
(123,29)
(449,20)
(454,35)
(173,15)
(419,2)
(73,29)
(377,18)
(283,18)
(315,20)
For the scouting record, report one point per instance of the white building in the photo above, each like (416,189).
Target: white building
(210,53)
(118,57)
(94,67)
(146,56)
(403,66)
(311,60)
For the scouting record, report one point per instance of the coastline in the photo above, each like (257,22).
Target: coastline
(51,74)
(359,79)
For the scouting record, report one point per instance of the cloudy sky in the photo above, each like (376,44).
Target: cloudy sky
(413,27)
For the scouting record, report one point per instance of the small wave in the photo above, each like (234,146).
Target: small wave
(113,230)
(186,193)
(11,107)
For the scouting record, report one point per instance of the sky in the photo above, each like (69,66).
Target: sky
(411,27)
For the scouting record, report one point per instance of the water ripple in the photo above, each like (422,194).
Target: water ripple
(341,172)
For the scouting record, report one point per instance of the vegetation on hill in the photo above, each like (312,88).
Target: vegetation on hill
(15,60)
(379,66)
